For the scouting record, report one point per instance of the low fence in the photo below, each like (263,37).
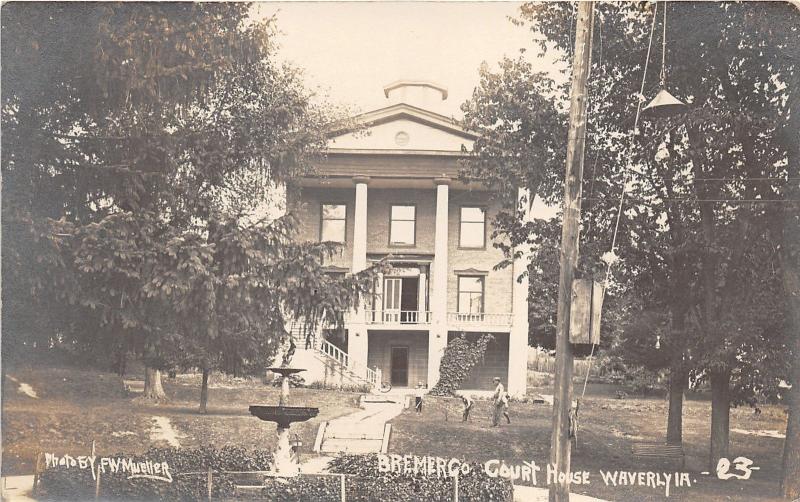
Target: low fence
(266,486)
(542,362)
(326,487)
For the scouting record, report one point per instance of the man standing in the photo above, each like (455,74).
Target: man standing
(499,401)
(467,402)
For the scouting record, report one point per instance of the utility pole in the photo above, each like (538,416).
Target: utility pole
(568,258)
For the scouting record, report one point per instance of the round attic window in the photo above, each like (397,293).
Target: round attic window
(401,138)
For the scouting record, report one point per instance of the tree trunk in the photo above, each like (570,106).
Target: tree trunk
(720,415)
(204,391)
(677,386)
(678,370)
(790,270)
(790,480)
(153,390)
(122,361)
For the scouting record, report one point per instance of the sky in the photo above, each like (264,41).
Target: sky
(351,50)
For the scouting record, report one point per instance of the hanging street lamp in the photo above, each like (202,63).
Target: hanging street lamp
(664,104)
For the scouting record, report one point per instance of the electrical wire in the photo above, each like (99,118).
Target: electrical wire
(765,178)
(691,199)
(664,49)
(633,134)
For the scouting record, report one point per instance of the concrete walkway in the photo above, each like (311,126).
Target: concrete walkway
(315,465)
(364,430)
(17,488)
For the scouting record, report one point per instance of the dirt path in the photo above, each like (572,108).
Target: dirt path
(163,431)
(24,388)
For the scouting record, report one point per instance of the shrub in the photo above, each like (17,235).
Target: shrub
(303,488)
(371,484)
(363,388)
(642,380)
(459,357)
(536,379)
(364,482)
(61,483)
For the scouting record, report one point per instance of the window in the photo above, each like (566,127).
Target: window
(402,225)
(334,223)
(472,233)
(470,295)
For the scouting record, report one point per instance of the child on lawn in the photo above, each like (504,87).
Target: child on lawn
(420,392)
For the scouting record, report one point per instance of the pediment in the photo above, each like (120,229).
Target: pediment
(471,271)
(403,128)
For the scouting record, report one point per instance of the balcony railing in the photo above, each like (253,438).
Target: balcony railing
(398,317)
(460,318)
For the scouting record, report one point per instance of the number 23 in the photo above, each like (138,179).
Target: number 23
(742,464)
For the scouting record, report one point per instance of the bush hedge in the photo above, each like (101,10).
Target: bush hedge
(364,483)
(370,484)
(62,483)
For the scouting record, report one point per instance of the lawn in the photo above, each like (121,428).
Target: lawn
(75,407)
(608,429)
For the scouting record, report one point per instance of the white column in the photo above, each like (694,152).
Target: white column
(360,225)
(378,304)
(421,298)
(518,338)
(357,339)
(437,337)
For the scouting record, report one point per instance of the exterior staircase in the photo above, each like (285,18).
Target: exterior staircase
(327,363)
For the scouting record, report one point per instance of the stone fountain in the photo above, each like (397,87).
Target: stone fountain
(283,414)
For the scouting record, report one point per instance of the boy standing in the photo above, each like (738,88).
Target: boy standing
(420,392)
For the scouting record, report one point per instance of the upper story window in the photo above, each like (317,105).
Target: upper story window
(333,226)
(403,225)
(470,294)
(472,230)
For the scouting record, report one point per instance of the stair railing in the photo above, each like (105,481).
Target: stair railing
(360,370)
(335,352)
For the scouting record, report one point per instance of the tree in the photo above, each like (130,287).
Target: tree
(743,112)
(789,232)
(91,140)
(164,144)
(686,249)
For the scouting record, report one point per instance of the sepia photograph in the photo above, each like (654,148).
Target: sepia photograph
(411,251)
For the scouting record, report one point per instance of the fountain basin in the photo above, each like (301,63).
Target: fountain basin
(285,371)
(283,415)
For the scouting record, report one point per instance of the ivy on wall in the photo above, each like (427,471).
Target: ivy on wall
(460,356)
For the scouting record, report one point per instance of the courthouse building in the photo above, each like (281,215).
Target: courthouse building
(392,192)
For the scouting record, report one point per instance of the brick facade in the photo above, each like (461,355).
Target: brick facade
(401,164)
(498,284)
(380,347)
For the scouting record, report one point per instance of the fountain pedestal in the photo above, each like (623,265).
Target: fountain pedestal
(284,415)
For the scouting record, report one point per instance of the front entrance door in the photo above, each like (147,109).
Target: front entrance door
(399,366)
